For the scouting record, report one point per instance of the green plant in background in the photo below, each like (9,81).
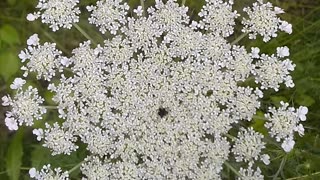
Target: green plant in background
(19,151)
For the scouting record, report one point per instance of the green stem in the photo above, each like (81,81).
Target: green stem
(84,33)
(25,168)
(239,38)
(21,168)
(230,136)
(75,167)
(143,7)
(11,18)
(232,169)
(283,162)
(68,69)
(50,107)
(183,2)
(53,40)
(259,117)
(305,176)
(2,88)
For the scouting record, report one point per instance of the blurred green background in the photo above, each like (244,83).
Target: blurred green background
(19,150)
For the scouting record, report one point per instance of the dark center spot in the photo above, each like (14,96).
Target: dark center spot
(162,112)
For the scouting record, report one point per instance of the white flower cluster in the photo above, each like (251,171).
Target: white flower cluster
(57,13)
(45,59)
(109,15)
(46,173)
(158,99)
(263,20)
(25,105)
(55,134)
(271,71)
(218,17)
(250,174)
(284,121)
(248,147)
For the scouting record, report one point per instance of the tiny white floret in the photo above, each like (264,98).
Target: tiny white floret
(33,172)
(17,83)
(283,51)
(33,40)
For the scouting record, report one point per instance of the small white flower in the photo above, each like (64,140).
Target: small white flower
(250,173)
(265,159)
(300,129)
(33,40)
(138,11)
(286,27)
(283,51)
(255,52)
(17,83)
(302,111)
(32,17)
(33,172)
(11,123)
(65,61)
(38,133)
(287,144)
(47,173)
(5,101)
(278,10)
(259,93)
(23,56)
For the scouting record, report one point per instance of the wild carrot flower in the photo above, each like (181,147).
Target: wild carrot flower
(159,98)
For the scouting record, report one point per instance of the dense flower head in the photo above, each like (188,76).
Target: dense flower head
(218,17)
(273,70)
(160,97)
(284,121)
(248,146)
(57,13)
(263,20)
(25,106)
(108,15)
(44,59)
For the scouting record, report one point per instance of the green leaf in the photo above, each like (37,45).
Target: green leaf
(14,156)
(304,100)
(11,2)
(9,64)
(9,35)
(48,95)
(39,156)
(258,123)
(277,99)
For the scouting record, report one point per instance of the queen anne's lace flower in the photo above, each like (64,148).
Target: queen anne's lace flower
(57,13)
(17,83)
(157,99)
